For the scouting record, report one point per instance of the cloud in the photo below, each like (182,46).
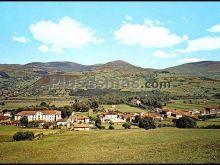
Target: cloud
(202,44)
(215,28)
(21,39)
(187,60)
(53,49)
(128,18)
(162,54)
(67,33)
(149,34)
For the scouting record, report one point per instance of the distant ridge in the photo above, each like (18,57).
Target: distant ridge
(203,68)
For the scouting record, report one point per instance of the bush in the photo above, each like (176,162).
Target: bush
(185,122)
(126,125)
(45,126)
(147,123)
(98,125)
(23,136)
(24,121)
(159,125)
(111,127)
(212,126)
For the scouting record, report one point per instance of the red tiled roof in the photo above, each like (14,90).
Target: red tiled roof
(153,115)
(81,126)
(110,113)
(4,118)
(45,112)
(82,118)
(61,120)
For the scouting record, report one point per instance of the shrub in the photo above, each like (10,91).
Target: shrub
(24,121)
(147,123)
(45,126)
(23,136)
(212,126)
(98,125)
(159,125)
(111,127)
(126,125)
(185,122)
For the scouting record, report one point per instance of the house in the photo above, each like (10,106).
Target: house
(152,115)
(135,102)
(166,113)
(82,119)
(7,114)
(79,119)
(176,114)
(81,127)
(128,116)
(4,120)
(109,116)
(61,122)
(210,110)
(47,115)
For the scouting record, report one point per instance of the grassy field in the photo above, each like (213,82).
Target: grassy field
(7,132)
(186,106)
(161,145)
(124,108)
(14,104)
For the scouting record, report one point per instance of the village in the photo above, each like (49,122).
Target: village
(78,121)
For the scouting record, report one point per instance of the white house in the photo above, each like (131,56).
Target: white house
(109,116)
(46,115)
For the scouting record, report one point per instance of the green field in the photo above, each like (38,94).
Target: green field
(14,104)
(161,145)
(124,108)
(200,105)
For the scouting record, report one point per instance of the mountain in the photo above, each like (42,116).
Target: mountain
(37,78)
(61,66)
(208,69)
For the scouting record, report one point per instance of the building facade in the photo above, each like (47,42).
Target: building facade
(46,115)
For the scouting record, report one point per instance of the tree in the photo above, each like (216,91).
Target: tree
(23,136)
(63,113)
(127,125)
(98,123)
(147,123)
(186,122)
(111,127)
(94,105)
(43,104)
(45,126)
(24,121)
(137,118)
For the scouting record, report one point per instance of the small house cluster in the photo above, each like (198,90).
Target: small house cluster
(79,122)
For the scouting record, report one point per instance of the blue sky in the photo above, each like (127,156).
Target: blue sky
(146,34)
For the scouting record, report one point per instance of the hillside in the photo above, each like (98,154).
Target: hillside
(192,79)
(208,69)
(61,66)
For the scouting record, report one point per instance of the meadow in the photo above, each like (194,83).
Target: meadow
(160,145)
(199,104)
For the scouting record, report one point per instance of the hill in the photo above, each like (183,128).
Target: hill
(192,79)
(208,69)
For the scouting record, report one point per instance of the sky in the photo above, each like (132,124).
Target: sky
(146,34)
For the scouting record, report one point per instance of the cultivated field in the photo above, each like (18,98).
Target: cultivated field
(199,104)
(161,145)
(125,108)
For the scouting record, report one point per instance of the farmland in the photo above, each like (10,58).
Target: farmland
(161,145)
